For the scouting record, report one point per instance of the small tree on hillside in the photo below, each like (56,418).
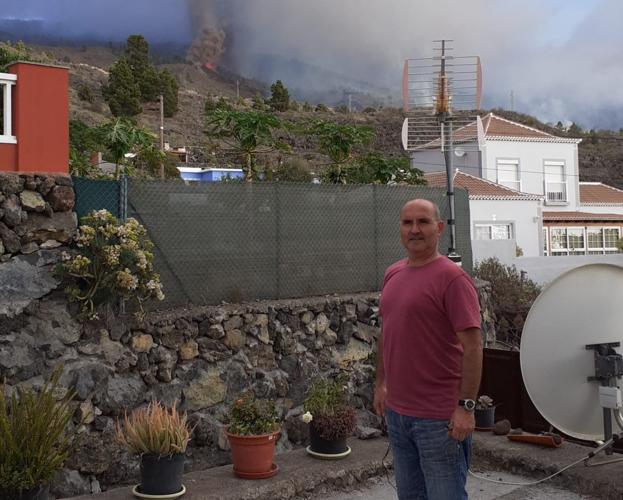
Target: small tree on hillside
(280,97)
(122,136)
(375,168)
(145,74)
(122,93)
(248,133)
(170,90)
(337,142)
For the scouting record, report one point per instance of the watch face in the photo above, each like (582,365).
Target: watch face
(468,404)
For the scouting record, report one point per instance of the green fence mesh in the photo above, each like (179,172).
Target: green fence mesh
(96,195)
(231,242)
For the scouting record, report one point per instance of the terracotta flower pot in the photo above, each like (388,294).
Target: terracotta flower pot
(253,455)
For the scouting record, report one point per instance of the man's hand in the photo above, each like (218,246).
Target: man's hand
(461,424)
(380,391)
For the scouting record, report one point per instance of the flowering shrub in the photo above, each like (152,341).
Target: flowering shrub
(110,261)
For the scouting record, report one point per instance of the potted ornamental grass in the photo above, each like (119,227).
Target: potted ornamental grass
(331,418)
(484,413)
(160,436)
(253,429)
(36,437)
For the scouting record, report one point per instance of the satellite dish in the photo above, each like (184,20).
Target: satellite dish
(579,308)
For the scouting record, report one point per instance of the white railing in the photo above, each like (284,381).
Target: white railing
(7,80)
(556,192)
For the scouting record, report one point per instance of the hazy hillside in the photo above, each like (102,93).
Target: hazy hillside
(600,153)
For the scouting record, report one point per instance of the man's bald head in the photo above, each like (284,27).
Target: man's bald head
(421,202)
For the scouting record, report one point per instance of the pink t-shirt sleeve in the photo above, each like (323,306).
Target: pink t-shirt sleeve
(461,304)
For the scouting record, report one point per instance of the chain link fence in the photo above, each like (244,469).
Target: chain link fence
(234,242)
(97,195)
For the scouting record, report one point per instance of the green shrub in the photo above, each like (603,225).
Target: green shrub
(328,408)
(249,416)
(34,436)
(110,261)
(513,295)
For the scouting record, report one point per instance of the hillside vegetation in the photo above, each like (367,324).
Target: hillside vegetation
(600,152)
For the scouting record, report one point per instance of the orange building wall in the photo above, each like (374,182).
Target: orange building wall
(41,118)
(8,157)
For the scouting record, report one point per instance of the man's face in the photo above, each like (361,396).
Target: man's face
(419,228)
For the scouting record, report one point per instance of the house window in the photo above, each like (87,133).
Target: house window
(575,240)
(493,231)
(591,240)
(595,240)
(611,237)
(555,183)
(508,174)
(7,81)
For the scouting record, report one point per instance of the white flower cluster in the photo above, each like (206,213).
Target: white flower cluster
(307,417)
(126,280)
(155,286)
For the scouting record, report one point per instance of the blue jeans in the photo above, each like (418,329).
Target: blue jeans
(428,463)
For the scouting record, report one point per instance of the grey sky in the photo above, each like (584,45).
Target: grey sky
(562,58)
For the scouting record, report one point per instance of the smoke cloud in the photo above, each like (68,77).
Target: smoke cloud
(561,58)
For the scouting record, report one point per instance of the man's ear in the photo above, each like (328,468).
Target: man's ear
(441,225)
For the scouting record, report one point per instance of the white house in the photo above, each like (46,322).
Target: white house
(545,210)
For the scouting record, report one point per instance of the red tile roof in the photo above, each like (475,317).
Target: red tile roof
(477,188)
(597,193)
(580,217)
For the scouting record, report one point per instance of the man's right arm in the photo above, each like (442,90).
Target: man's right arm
(380,390)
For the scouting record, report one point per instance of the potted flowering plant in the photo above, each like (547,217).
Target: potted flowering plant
(330,416)
(35,439)
(253,429)
(110,261)
(160,437)
(484,413)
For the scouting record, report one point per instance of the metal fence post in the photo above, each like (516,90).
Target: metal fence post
(123,198)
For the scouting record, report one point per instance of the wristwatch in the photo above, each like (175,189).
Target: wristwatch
(467,404)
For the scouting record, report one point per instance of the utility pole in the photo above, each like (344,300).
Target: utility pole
(162,135)
(444,115)
(238,89)
(350,103)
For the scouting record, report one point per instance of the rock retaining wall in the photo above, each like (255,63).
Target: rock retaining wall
(35,213)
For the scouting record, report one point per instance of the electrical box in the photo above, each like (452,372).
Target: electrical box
(610,397)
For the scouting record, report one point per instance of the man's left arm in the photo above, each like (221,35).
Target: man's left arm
(462,422)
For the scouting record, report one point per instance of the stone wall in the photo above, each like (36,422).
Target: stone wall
(201,358)
(35,213)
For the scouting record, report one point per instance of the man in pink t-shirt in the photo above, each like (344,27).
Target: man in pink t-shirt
(429,361)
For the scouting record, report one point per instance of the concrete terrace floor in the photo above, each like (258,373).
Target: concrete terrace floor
(301,476)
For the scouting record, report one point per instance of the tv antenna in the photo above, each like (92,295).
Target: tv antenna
(569,360)
(441,98)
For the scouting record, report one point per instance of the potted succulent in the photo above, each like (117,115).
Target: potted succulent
(484,413)
(253,429)
(35,438)
(330,416)
(160,437)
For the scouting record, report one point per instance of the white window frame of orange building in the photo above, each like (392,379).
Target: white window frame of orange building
(7,80)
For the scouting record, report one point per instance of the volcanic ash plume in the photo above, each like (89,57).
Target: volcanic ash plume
(207,48)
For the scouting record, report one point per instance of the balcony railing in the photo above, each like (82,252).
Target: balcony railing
(556,192)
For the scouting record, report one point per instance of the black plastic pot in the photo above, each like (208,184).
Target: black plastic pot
(320,445)
(161,475)
(39,493)
(485,418)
